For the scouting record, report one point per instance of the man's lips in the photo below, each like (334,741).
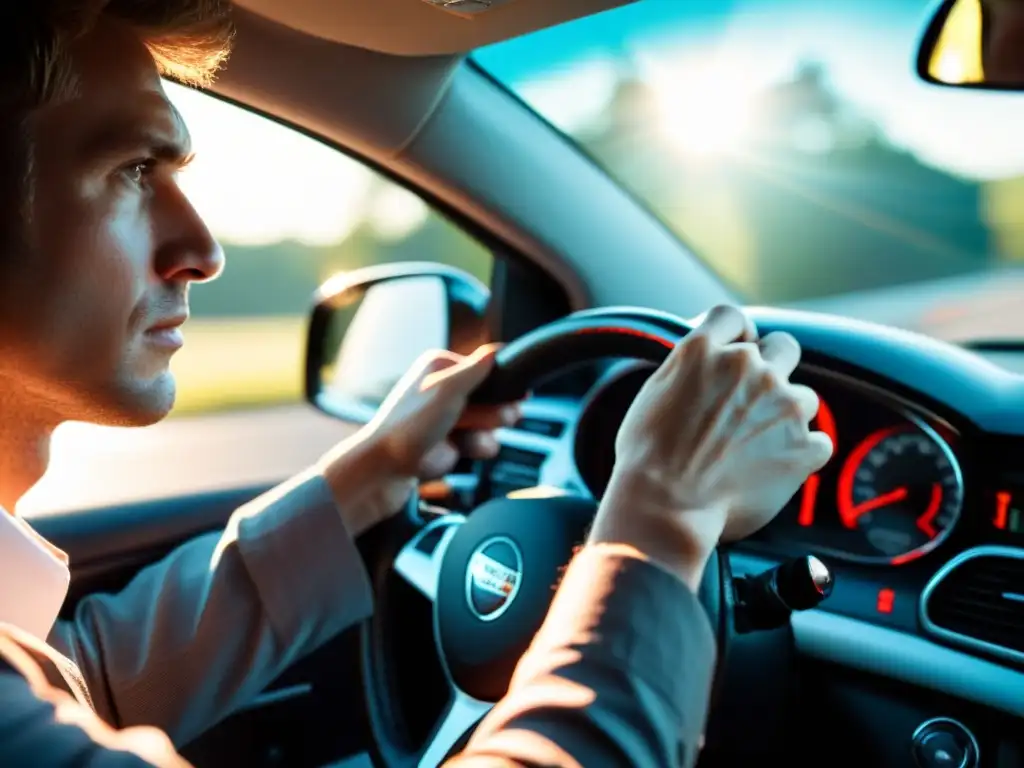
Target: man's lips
(169,324)
(167,333)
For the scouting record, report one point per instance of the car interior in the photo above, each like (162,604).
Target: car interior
(912,655)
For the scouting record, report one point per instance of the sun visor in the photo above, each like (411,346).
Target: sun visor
(423,27)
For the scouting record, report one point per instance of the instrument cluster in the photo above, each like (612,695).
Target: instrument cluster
(892,492)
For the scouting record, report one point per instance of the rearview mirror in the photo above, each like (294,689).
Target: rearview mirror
(370,325)
(974,44)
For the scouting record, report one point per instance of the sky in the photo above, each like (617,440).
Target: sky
(706,59)
(724,50)
(258,182)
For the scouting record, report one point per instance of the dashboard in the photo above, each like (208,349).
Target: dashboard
(920,515)
(893,492)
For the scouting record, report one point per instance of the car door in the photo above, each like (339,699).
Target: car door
(289,212)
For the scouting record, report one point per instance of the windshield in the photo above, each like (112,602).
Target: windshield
(792,147)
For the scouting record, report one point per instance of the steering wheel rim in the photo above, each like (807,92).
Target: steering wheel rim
(438,558)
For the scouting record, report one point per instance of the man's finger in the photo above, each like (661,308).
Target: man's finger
(434,361)
(489,416)
(819,450)
(807,400)
(479,444)
(471,371)
(725,324)
(781,351)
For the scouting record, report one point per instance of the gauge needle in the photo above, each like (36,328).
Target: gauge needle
(924,522)
(853,513)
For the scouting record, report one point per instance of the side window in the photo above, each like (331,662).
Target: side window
(289,213)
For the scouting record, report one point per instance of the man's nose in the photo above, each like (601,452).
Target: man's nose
(187,250)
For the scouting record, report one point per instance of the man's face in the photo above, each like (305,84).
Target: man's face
(89,308)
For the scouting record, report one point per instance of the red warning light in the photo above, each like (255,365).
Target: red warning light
(1003,500)
(808,500)
(886,598)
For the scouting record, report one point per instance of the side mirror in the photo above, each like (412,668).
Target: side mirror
(974,44)
(370,325)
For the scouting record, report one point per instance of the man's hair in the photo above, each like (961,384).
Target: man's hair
(189,40)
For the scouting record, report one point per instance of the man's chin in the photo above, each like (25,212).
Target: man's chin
(140,404)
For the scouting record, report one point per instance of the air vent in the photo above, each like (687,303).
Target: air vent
(535,426)
(513,469)
(977,600)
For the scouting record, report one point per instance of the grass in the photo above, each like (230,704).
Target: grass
(232,363)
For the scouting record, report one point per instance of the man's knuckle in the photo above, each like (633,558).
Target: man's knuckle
(717,311)
(784,339)
(724,311)
(697,343)
(768,381)
(742,359)
(792,409)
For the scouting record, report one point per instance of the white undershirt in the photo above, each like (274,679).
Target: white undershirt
(34,577)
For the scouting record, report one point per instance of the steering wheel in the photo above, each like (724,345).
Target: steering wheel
(489,576)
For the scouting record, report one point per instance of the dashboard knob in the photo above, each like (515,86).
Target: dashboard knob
(944,743)
(765,601)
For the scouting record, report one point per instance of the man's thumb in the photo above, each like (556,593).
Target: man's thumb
(471,372)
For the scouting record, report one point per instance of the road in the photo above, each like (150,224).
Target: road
(93,466)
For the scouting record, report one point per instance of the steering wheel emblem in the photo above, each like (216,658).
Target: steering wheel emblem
(493,577)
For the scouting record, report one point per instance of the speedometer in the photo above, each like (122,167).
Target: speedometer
(900,489)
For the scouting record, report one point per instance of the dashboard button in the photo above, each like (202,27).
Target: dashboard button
(944,743)
(941,750)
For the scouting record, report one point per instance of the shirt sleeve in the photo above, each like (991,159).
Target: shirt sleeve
(619,675)
(208,627)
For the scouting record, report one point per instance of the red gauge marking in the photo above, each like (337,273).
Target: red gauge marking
(825,422)
(924,522)
(808,500)
(885,601)
(901,559)
(848,511)
(1003,499)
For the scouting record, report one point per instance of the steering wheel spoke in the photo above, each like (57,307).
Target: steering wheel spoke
(461,715)
(419,561)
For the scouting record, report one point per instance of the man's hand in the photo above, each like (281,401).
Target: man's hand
(714,445)
(419,433)
(414,427)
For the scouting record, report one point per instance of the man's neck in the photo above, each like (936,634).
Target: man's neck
(24,456)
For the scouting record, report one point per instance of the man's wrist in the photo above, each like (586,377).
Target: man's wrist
(680,541)
(365,484)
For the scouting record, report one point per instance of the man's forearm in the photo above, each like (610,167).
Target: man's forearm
(366,488)
(208,627)
(619,675)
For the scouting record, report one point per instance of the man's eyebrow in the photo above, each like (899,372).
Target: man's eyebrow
(172,146)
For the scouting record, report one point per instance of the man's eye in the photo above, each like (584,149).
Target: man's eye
(137,170)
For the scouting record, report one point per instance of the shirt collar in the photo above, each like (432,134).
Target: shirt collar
(34,577)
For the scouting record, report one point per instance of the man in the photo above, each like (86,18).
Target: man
(100,247)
